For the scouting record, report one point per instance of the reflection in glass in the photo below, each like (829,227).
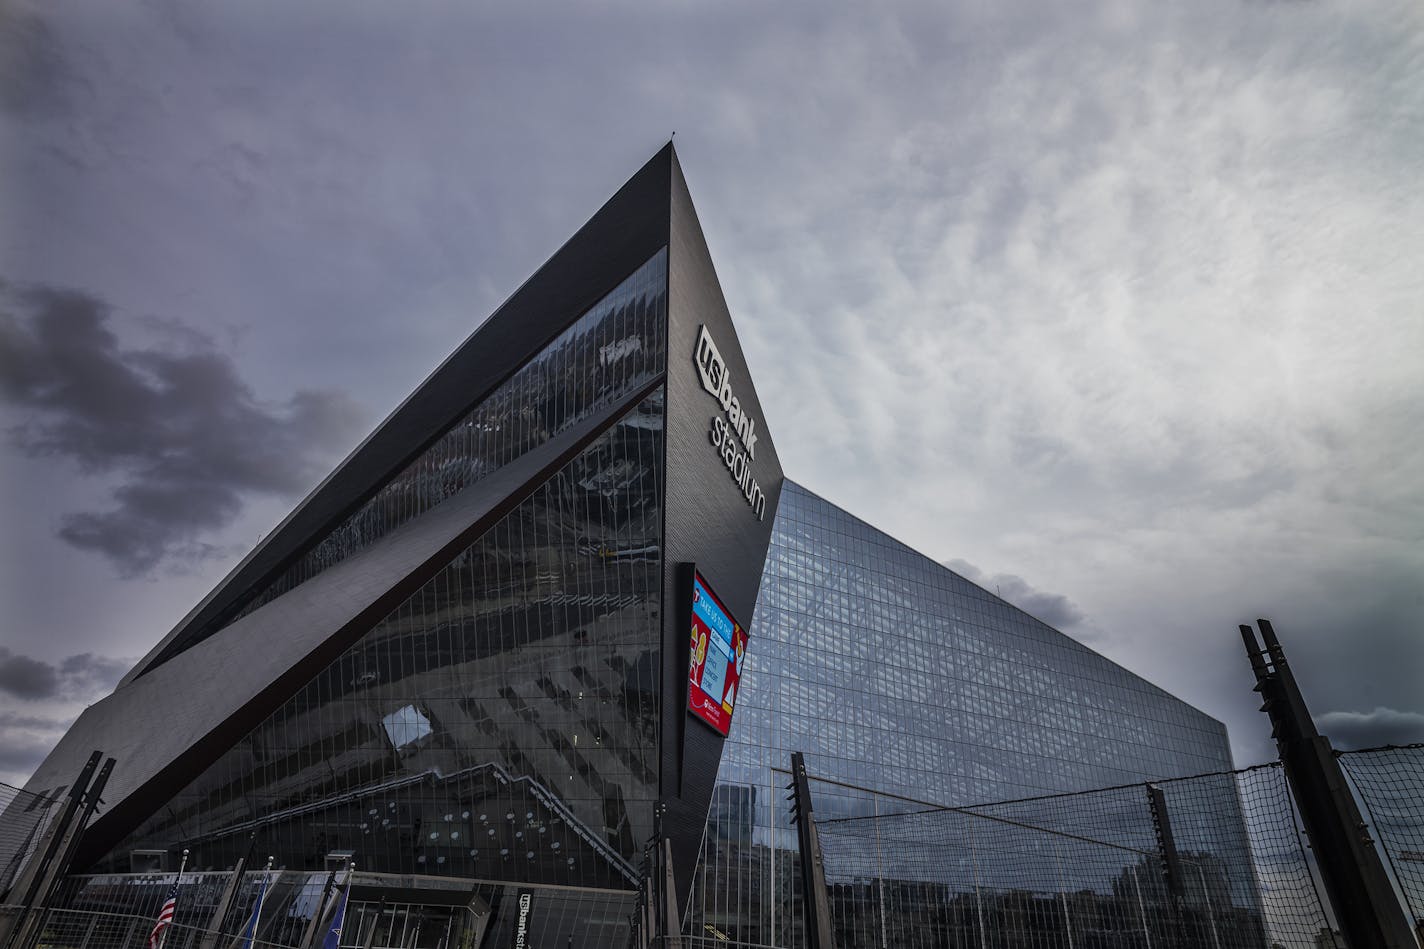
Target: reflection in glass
(891,672)
(616,347)
(501,724)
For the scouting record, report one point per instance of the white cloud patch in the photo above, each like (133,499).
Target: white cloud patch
(1127,304)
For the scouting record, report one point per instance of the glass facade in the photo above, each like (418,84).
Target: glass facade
(500,724)
(616,347)
(892,673)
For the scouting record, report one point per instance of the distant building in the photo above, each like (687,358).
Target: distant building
(465,657)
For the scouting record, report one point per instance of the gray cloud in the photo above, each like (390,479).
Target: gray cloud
(1383,726)
(35,77)
(87,674)
(78,678)
(1118,295)
(24,742)
(23,756)
(185,435)
(10,719)
(27,678)
(1055,609)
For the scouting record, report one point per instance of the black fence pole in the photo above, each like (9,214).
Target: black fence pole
(52,876)
(33,877)
(656,923)
(92,799)
(210,937)
(1172,874)
(815,904)
(1355,882)
(671,919)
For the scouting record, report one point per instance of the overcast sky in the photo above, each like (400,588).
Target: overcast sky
(1114,305)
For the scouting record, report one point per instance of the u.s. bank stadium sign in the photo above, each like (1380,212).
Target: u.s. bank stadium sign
(733,433)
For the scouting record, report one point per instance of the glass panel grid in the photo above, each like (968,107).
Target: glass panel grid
(615,348)
(889,671)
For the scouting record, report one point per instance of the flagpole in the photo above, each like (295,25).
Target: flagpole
(183,865)
(261,900)
(214,932)
(344,907)
(328,889)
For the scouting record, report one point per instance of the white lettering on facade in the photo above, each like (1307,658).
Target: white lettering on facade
(735,436)
(717,380)
(521,933)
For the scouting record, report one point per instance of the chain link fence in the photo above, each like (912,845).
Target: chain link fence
(1389,783)
(24,817)
(385,911)
(83,929)
(1217,861)
(120,910)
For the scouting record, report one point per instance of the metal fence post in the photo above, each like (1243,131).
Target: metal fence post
(815,903)
(880,874)
(1141,908)
(1210,911)
(978,897)
(1350,868)
(1063,893)
(34,880)
(209,938)
(75,832)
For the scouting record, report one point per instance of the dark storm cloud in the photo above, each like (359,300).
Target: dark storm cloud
(185,434)
(27,678)
(1383,726)
(1055,609)
(89,674)
(35,77)
(79,678)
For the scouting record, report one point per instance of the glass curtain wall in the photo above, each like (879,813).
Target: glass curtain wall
(893,673)
(616,347)
(500,724)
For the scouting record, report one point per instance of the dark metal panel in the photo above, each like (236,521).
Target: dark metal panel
(165,728)
(707,519)
(625,232)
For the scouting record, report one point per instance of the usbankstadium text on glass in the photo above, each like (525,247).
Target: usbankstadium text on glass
(464,659)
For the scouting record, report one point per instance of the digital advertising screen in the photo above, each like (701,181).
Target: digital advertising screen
(719,646)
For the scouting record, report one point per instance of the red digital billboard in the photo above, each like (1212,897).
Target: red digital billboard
(719,647)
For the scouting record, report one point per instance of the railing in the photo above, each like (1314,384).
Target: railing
(88,929)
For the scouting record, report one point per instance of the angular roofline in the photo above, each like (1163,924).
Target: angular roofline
(1082,645)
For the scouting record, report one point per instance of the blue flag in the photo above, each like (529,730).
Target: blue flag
(333,934)
(249,932)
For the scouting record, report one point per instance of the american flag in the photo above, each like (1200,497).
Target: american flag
(165,918)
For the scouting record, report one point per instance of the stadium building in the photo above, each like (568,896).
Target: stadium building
(564,595)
